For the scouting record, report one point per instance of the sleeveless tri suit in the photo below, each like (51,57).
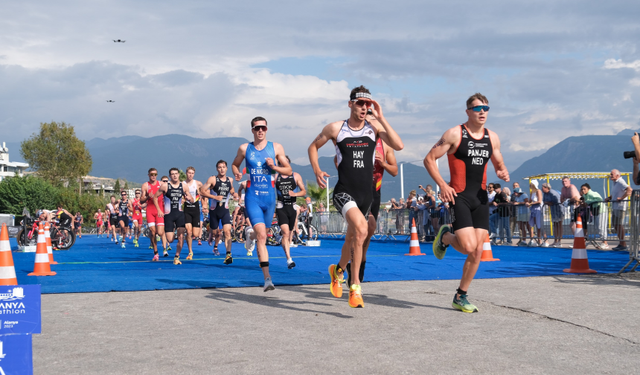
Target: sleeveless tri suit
(152,213)
(355,150)
(285,212)
(468,168)
(260,199)
(192,211)
(174,216)
(123,209)
(220,214)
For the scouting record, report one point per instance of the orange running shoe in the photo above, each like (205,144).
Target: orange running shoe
(336,282)
(355,296)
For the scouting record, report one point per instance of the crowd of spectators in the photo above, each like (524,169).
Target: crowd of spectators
(425,208)
(520,213)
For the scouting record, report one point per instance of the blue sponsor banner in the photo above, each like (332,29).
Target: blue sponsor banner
(16,356)
(20,309)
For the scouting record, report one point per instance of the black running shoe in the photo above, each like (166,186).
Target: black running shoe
(228,259)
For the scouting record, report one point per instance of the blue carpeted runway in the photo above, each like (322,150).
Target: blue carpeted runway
(98,265)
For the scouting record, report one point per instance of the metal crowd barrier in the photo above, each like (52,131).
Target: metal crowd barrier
(597,221)
(395,224)
(634,232)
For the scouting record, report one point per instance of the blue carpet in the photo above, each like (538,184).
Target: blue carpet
(98,265)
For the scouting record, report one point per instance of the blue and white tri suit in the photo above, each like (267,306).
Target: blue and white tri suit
(260,199)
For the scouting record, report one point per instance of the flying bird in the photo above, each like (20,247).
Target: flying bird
(119,41)
(111,101)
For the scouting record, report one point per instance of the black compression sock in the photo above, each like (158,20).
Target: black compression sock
(361,274)
(349,275)
(461,292)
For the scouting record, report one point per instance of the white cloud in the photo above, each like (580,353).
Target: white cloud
(619,64)
(547,68)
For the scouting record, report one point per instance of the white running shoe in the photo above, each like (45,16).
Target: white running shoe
(544,244)
(533,243)
(268,285)
(290,263)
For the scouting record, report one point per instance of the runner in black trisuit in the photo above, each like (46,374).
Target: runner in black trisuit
(123,207)
(192,210)
(385,161)
(174,191)
(286,214)
(469,148)
(219,189)
(355,142)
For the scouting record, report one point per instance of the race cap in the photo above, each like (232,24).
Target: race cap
(361,95)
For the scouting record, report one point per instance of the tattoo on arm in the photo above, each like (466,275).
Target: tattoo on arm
(318,137)
(439,143)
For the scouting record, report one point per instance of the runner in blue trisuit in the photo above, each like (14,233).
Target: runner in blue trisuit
(263,160)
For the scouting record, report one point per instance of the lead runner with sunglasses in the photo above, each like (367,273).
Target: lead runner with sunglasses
(469,147)
(355,143)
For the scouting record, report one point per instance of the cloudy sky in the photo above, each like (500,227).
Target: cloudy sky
(551,69)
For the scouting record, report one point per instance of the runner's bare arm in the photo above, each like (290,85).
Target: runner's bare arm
(237,162)
(300,183)
(329,132)
(187,194)
(283,166)
(161,189)
(233,191)
(204,190)
(446,144)
(385,131)
(390,165)
(143,192)
(496,158)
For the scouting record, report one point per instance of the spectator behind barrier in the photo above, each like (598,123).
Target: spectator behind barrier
(553,200)
(619,192)
(593,200)
(570,192)
(519,200)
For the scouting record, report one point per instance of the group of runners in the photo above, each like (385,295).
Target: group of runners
(365,145)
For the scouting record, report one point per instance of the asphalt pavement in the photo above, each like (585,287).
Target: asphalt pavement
(569,324)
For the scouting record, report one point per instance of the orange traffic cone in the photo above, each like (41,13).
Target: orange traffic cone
(414,243)
(487,254)
(7,271)
(41,267)
(579,260)
(47,236)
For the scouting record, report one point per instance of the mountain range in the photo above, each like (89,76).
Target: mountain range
(587,153)
(129,157)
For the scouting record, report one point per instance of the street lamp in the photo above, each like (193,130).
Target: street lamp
(402,175)
(328,191)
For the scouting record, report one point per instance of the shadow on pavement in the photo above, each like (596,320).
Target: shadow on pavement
(271,300)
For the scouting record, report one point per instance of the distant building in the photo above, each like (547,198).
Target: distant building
(98,184)
(7,168)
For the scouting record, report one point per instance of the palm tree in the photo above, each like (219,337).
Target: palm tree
(317,194)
